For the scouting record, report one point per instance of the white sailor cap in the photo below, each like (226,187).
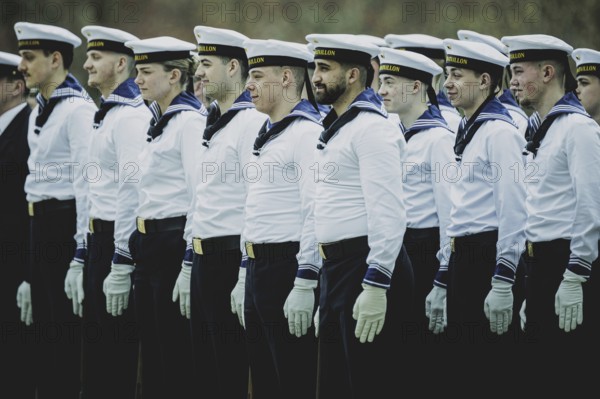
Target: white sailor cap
(217,41)
(525,48)
(429,46)
(343,48)
(159,49)
(587,61)
(407,64)
(45,37)
(492,41)
(9,64)
(264,53)
(474,56)
(107,39)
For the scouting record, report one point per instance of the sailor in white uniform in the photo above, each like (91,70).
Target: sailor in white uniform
(563,195)
(59,134)
(406,88)
(487,219)
(433,48)
(220,360)
(504,96)
(587,62)
(119,133)
(283,262)
(167,177)
(366,279)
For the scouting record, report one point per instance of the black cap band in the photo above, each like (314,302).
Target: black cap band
(222,50)
(474,65)
(406,72)
(536,55)
(40,44)
(161,56)
(588,69)
(274,60)
(343,55)
(427,52)
(109,45)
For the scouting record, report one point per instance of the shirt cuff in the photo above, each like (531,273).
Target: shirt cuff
(505,271)
(580,266)
(188,259)
(441,277)
(378,276)
(308,272)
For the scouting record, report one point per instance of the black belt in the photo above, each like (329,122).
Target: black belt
(48,206)
(146,226)
(344,248)
(101,226)
(279,250)
(213,245)
(534,248)
(422,234)
(486,236)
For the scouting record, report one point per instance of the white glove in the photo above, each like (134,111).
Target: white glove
(498,306)
(182,290)
(435,309)
(568,301)
(523,316)
(369,312)
(116,288)
(316,321)
(237,296)
(24,303)
(74,286)
(299,305)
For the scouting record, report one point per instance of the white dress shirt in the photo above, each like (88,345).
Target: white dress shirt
(59,157)
(114,150)
(281,189)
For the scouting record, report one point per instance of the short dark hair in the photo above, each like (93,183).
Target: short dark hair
(67,56)
(362,69)
(243,65)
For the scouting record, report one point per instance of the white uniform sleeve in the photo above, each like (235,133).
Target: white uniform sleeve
(245,155)
(505,152)
(79,131)
(379,150)
(583,155)
(442,154)
(129,136)
(191,145)
(309,261)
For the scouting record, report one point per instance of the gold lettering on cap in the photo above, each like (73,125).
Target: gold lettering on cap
(391,68)
(96,43)
(517,56)
(204,48)
(587,68)
(322,51)
(457,60)
(29,42)
(255,60)
(141,57)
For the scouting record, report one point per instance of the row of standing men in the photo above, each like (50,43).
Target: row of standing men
(235,230)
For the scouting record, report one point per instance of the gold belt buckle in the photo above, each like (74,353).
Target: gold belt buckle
(321,251)
(141,226)
(91,225)
(197,243)
(250,250)
(530,249)
(452,247)
(30,208)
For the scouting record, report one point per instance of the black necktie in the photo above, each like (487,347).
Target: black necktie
(332,124)
(466,131)
(216,122)
(44,113)
(156,128)
(264,135)
(101,113)
(536,136)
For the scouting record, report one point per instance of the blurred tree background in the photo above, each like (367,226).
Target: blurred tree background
(576,23)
